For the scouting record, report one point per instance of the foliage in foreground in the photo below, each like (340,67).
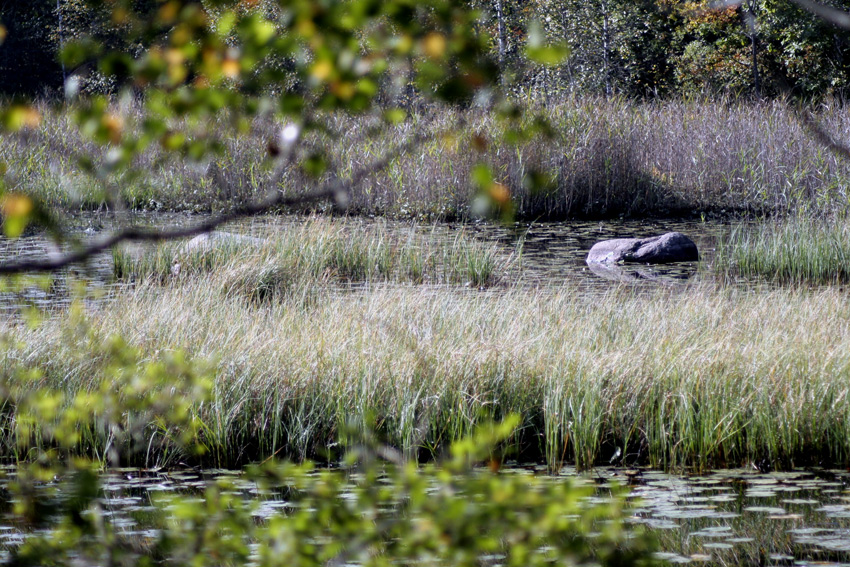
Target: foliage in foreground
(383,514)
(277,76)
(644,48)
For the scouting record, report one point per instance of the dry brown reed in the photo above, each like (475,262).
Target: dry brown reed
(607,157)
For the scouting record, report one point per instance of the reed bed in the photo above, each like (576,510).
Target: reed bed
(606,158)
(793,251)
(697,379)
(319,252)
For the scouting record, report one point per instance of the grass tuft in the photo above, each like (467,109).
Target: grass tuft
(320,253)
(794,251)
(606,157)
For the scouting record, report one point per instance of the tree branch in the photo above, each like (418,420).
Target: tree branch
(821,135)
(832,15)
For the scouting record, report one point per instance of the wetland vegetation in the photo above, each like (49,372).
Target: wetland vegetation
(602,158)
(418,360)
(676,378)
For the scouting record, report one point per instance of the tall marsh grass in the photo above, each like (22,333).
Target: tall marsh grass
(700,379)
(608,157)
(321,251)
(796,251)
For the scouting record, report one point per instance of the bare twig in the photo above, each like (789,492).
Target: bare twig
(836,17)
(138,234)
(832,15)
(827,13)
(821,135)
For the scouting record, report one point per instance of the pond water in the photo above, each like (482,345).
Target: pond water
(552,253)
(728,517)
(745,517)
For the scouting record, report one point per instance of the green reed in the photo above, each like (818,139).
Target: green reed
(796,251)
(695,379)
(299,257)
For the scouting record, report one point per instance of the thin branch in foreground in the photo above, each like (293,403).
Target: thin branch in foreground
(827,13)
(830,14)
(337,190)
(822,136)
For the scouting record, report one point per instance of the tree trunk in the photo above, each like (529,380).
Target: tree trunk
(750,22)
(502,39)
(606,48)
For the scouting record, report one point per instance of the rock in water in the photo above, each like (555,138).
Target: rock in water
(664,249)
(207,241)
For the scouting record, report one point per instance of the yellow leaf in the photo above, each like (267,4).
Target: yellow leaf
(499,193)
(175,57)
(114,125)
(322,70)
(343,89)
(15,209)
(15,205)
(120,16)
(306,28)
(230,68)
(168,12)
(434,45)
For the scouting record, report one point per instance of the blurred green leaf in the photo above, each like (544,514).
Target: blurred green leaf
(482,175)
(395,115)
(315,165)
(539,51)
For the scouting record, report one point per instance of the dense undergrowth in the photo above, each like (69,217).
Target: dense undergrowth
(604,158)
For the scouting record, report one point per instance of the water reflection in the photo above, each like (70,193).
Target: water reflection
(631,273)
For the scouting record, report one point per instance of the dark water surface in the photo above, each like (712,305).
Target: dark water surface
(738,517)
(552,253)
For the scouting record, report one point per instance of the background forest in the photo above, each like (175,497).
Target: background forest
(641,48)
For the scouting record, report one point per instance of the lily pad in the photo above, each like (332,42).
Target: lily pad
(723,498)
(671,557)
(800,501)
(718,545)
(765,509)
(760,493)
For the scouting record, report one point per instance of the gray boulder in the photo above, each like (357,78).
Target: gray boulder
(664,249)
(204,243)
(207,241)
